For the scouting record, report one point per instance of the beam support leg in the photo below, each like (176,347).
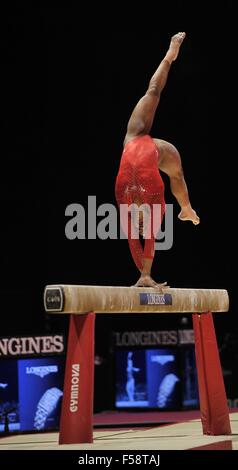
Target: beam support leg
(76,422)
(212,394)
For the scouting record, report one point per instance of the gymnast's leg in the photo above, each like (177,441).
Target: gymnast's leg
(142,117)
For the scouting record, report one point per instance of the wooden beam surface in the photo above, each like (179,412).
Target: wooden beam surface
(78,299)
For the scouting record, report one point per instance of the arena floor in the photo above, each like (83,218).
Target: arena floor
(182,435)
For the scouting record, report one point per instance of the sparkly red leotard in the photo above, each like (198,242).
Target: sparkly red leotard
(139,179)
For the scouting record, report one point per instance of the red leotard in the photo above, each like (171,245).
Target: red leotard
(139,178)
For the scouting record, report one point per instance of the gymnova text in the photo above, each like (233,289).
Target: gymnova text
(106,221)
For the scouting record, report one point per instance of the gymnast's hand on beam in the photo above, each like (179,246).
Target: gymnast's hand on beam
(147,281)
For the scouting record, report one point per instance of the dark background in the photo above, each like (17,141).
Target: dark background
(66,98)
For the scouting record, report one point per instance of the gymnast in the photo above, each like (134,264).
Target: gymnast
(139,182)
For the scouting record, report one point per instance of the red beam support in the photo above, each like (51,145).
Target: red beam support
(213,401)
(76,422)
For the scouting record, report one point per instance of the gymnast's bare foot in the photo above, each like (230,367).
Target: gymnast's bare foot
(174,47)
(147,281)
(187,213)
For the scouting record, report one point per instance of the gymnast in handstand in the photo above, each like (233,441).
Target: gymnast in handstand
(139,182)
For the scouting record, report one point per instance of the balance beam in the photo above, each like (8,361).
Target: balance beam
(75,299)
(82,302)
